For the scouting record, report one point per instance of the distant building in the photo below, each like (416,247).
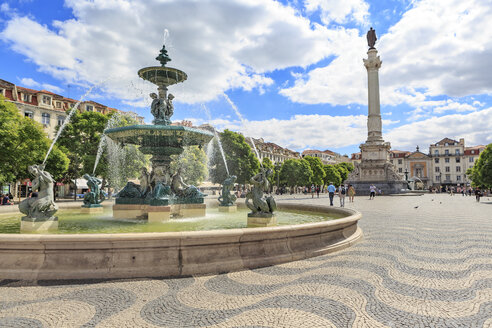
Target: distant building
(272,151)
(49,108)
(326,156)
(445,164)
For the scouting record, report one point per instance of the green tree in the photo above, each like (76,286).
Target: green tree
(23,143)
(317,168)
(347,165)
(193,160)
(332,175)
(296,172)
(342,170)
(481,173)
(240,159)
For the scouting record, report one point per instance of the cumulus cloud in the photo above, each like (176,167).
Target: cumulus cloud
(220,45)
(29,82)
(339,11)
(474,127)
(437,48)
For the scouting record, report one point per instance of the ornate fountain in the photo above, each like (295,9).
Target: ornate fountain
(161,192)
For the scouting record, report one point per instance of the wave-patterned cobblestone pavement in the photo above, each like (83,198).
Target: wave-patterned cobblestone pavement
(424,262)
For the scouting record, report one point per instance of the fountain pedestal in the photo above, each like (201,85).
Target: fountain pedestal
(157,214)
(29,224)
(228,208)
(92,208)
(261,220)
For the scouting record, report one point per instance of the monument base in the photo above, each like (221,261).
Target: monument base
(157,214)
(38,225)
(261,220)
(362,188)
(229,209)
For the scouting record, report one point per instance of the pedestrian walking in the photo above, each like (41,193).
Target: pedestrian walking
(331,192)
(317,190)
(478,194)
(351,193)
(341,193)
(372,189)
(312,190)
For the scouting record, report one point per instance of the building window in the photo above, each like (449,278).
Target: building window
(438,178)
(45,118)
(2,92)
(400,170)
(26,97)
(458,178)
(46,100)
(446,152)
(436,160)
(473,152)
(28,114)
(458,168)
(58,104)
(458,159)
(391,161)
(436,152)
(437,169)
(471,159)
(446,160)
(399,161)
(89,108)
(448,177)
(448,169)
(457,152)
(61,120)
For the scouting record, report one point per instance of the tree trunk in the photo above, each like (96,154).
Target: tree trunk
(75,191)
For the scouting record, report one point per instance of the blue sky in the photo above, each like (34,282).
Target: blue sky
(293,68)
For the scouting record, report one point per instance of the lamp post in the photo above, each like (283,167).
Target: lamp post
(406,174)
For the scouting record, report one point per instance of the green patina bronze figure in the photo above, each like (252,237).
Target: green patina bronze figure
(228,198)
(259,205)
(94,197)
(41,205)
(163,57)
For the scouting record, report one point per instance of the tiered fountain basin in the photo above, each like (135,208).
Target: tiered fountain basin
(178,253)
(160,75)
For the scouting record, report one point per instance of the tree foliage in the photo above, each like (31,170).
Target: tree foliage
(481,173)
(23,143)
(267,164)
(332,175)
(347,165)
(240,159)
(193,160)
(296,172)
(342,170)
(317,168)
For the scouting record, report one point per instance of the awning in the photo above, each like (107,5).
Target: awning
(81,183)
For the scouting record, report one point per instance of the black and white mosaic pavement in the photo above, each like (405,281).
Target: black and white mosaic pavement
(424,262)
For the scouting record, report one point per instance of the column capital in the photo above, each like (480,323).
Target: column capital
(373,62)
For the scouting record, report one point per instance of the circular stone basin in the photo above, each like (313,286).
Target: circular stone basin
(162,75)
(164,136)
(86,255)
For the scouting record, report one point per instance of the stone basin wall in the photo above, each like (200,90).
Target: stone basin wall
(172,254)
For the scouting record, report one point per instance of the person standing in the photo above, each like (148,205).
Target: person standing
(351,193)
(312,190)
(478,194)
(331,192)
(341,193)
(372,189)
(317,190)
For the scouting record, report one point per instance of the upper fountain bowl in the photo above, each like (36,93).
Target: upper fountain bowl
(160,75)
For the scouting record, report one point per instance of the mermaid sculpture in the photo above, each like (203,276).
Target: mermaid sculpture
(259,205)
(95,196)
(41,206)
(227,198)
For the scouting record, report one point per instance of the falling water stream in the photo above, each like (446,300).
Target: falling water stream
(243,121)
(218,138)
(67,120)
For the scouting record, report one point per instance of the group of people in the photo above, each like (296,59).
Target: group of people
(6,199)
(342,192)
(463,190)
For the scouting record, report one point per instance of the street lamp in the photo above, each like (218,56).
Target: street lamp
(406,174)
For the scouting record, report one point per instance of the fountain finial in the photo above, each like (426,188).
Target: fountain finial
(163,57)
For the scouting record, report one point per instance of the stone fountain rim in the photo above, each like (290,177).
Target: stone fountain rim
(158,128)
(162,68)
(173,254)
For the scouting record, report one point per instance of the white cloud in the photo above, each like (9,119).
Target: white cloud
(475,127)
(221,45)
(29,82)
(340,11)
(437,48)
(454,106)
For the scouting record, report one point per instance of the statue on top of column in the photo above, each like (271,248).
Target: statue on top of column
(371,38)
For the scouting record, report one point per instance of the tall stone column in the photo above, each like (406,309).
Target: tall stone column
(374,126)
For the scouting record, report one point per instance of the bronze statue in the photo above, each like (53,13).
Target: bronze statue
(371,38)
(42,206)
(162,109)
(255,201)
